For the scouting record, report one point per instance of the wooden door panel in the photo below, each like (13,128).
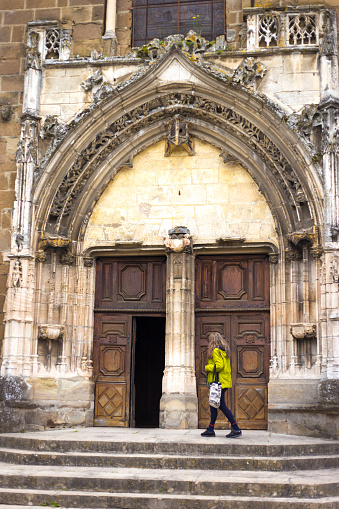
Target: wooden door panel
(111,359)
(129,284)
(204,326)
(251,406)
(238,282)
(232,281)
(232,297)
(110,404)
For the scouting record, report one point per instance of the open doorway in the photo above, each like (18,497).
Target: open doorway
(149,355)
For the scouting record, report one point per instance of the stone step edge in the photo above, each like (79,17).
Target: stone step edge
(82,454)
(135,484)
(203,448)
(158,496)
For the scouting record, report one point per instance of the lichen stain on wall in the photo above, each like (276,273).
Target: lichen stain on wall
(213,199)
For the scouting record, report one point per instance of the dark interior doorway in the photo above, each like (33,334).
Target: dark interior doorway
(149,369)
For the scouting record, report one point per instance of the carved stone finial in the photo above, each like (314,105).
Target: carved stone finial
(178,136)
(179,240)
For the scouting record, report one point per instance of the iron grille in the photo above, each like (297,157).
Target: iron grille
(157,19)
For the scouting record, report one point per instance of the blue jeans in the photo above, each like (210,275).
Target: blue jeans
(226,411)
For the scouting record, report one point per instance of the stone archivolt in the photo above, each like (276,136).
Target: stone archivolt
(191,107)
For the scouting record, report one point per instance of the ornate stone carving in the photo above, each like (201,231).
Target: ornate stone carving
(94,79)
(88,261)
(33,56)
(274,258)
(17,274)
(175,103)
(52,43)
(51,332)
(303,331)
(302,29)
(248,72)
(56,242)
(317,251)
(328,45)
(293,254)
(179,240)
(268,30)
(311,236)
(52,128)
(178,136)
(6,112)
(67,258)
(40,256)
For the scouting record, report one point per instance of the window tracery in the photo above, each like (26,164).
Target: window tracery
(154,19)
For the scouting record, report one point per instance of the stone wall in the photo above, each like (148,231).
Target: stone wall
(85,18)
(215,200)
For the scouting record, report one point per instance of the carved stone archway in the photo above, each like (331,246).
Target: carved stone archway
(121,124)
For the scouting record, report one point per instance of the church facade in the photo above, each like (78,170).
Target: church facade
(177,173)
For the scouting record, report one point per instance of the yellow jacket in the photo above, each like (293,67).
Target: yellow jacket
(223,366)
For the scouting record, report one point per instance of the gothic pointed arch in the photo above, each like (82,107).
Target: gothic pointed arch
(135,115)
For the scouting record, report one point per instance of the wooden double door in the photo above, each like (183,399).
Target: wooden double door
(232,297)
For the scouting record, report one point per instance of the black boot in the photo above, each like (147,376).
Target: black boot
(234,433)
(208,433)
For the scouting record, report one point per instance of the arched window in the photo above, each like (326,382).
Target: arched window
(158,19)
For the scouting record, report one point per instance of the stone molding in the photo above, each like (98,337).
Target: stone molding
(109,140)
(51,332)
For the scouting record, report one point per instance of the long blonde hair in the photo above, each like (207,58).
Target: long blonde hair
(215,340)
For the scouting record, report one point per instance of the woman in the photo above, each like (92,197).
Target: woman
(219,355)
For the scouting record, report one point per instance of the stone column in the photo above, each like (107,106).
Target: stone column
(21,280)
(111,16)
(179,402)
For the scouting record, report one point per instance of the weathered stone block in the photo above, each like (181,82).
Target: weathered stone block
(50,14)
(5,34)
(87,32)
(329,392)
(10,420)
(179,411)
(18,17)
(77,15)
(44,388)
(14,388)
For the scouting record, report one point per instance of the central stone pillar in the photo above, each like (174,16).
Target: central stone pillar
(179,402)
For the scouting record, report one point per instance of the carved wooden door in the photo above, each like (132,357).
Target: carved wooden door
(111,355)
(125,287)
(232,297)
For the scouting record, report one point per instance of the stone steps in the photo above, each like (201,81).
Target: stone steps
(90,500)
(159,461)
(157,469)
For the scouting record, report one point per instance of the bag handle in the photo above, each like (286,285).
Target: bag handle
(215,377)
